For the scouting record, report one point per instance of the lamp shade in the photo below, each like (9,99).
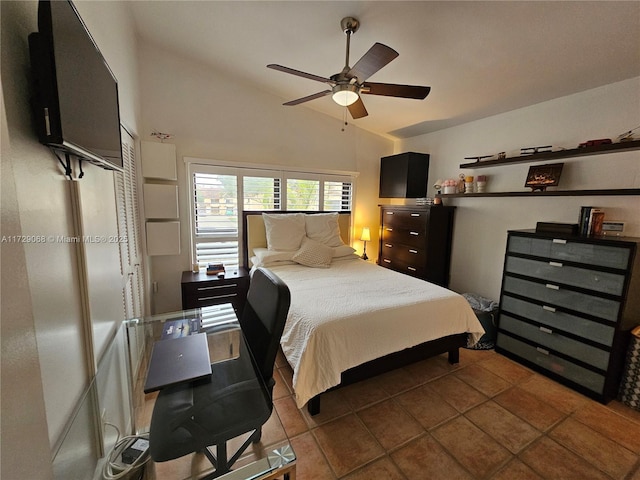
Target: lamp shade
(345,95)
(366,235)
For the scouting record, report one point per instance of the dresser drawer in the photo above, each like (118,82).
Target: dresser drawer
(400,266)
(556,272)
(559,249)
(407,218)
(549,316)
(404,253)
(409,237)
(548,338)
(552,295)
(538,356)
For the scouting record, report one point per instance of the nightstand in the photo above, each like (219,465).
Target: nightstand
(201,290)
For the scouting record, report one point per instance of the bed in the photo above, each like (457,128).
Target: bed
(349,319)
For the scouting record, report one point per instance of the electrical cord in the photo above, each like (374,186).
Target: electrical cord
(116,470)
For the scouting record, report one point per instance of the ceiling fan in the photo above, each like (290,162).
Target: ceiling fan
(350,83)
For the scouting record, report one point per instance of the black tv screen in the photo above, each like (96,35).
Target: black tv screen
(76,94)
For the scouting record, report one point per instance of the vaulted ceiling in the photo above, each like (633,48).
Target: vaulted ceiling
(479,58)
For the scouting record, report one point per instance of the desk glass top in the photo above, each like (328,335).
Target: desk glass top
(272,454)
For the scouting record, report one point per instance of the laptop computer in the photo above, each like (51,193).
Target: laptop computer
(178,360)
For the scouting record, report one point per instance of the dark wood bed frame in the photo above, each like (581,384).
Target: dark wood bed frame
(449,344)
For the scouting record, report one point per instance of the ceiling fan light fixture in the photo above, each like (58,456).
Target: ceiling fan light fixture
(345,95)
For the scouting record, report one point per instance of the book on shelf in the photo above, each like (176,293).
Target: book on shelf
(595,227)
(590,221)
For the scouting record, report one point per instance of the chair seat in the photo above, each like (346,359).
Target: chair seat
(187,418)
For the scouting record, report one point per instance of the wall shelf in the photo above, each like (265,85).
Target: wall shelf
(548,193)
(569,153)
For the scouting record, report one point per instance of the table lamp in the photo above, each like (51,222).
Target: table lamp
(365,237)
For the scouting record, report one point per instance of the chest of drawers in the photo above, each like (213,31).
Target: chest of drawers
(416,240)
(567,305)
(201,290)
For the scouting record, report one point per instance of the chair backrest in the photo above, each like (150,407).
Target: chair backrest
(263,319)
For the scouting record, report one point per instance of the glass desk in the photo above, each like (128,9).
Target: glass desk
(270,458)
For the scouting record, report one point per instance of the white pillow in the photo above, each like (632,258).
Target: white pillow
(284,231)
(313,254)
(264,257)
(343,251)
(324,228)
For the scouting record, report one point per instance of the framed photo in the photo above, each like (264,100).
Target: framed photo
(542,176)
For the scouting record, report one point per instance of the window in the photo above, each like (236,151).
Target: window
(221,194)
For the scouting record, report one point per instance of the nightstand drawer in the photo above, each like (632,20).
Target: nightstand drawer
(548,338)
(201,290)
(557,272)
(211,294)
(403,253)
(551,295)
(559,249)
(553,318)
(547,360)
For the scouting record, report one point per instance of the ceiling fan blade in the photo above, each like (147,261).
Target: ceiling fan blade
(308,97)
(298,73)
(357,109)
(394,90)
(377,57)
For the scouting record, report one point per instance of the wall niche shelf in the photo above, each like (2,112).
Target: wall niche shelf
(568,153)
(547,193)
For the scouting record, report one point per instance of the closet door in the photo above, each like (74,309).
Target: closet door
(131,261)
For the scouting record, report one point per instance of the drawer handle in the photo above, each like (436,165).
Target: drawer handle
(411,268)
(414,233)
(203,299)
(413,251)
(555,264)
(559,240)
(542,351)
(549,309)
(227,285)
(552,287)
(415,214)
(388,245)
(389,213)
(386,260)
(389,229)
(546,330)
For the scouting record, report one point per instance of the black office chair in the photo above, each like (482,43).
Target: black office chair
(191,418)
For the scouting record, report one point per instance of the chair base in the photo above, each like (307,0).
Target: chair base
(220,462)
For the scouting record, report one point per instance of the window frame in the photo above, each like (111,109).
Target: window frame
(255,170)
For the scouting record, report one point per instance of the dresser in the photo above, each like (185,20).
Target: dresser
(567,305)
(201,290)
(416,240)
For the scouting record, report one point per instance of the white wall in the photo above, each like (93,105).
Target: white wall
(481,223)
(215,117)
(41,290)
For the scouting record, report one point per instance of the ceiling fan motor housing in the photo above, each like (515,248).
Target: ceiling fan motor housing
(349,25)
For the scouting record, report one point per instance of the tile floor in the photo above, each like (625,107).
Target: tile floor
(485,418)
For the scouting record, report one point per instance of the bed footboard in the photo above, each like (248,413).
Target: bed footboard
(449,345)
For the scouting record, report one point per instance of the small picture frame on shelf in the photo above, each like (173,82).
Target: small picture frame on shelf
(542,176)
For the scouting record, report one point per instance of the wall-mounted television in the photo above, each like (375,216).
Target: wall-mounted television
(75,97)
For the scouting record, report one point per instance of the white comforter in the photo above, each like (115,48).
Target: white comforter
(354,312)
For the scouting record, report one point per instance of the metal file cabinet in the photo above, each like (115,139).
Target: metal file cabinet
(567,305)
